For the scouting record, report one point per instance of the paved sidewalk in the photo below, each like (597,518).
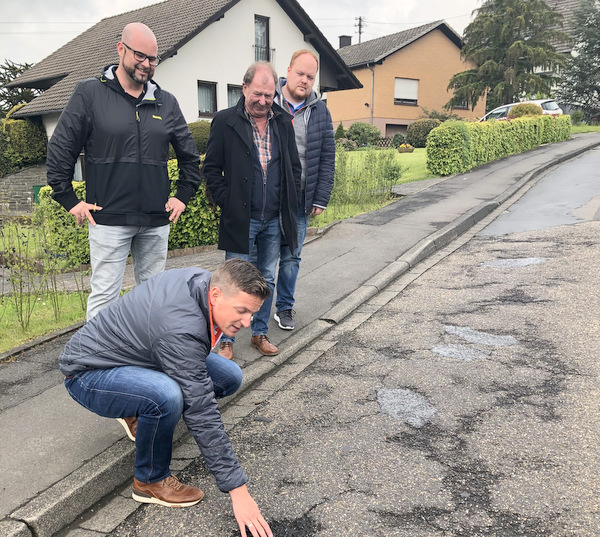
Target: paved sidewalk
(57,459)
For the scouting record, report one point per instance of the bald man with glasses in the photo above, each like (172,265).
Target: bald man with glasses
(125,122)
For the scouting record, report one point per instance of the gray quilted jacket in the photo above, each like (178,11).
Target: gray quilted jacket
(164,325)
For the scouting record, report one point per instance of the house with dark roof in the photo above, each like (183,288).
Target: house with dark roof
(205,48)
(401,73)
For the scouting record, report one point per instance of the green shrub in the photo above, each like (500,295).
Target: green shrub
(25,141)
(525,109)
(345,144)
(63,237)
(398,139)
(363,133)
(417,131)
(449,148)
(577,117)
(455,147)
(197,226)
(339,132)
(200,130)
(6,165)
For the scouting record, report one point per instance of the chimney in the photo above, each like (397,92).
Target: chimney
(345,40)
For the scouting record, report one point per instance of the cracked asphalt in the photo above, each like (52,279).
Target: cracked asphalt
(463,402)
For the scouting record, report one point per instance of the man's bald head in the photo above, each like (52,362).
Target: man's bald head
(135,30)
(136,40)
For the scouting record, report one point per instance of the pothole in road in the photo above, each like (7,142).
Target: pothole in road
(406,405)
(460,352)
(480,338)
(514,263)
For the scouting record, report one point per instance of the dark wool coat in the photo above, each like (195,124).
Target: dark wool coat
(229,169)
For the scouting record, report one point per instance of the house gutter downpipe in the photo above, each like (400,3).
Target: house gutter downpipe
(372,89)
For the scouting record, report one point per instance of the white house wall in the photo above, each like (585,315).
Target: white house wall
(223,51)
(50,121)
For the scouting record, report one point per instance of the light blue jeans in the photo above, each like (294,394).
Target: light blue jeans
(109,248)
(265,235)
(289,265)
(154,398)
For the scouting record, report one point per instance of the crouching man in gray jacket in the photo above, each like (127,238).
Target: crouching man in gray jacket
(146,361)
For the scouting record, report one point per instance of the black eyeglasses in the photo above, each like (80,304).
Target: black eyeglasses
(141,57)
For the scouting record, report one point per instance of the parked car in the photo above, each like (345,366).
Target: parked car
(549,107)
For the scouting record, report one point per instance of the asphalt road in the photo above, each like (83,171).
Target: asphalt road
(460,401)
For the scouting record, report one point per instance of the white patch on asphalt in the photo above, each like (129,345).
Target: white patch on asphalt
(515,263)
(406,405)
(481,338)
(460,352)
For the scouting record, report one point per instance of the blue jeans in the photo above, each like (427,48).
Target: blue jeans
(289,265)
(109,248)
(265,235)
(154,398)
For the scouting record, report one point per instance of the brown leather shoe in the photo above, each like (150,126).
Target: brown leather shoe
(130,426)
(263,344)
(169,492)
(226,350)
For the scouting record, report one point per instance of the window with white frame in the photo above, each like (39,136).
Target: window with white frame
(207,98)
(233,94)
(406,91)
(261,38)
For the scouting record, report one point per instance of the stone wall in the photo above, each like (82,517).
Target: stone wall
(17,192)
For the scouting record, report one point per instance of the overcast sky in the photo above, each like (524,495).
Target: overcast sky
(32,30)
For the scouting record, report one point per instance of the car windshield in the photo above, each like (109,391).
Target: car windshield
(495,114)
(550,105)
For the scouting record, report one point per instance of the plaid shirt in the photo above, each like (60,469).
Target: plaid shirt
(262,143)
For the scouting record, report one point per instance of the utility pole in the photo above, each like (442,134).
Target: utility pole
(360,27)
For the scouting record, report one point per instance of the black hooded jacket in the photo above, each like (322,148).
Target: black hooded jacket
(126,145)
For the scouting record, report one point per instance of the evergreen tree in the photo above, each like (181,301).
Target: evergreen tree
(510,44)
(10,97)
(580,84)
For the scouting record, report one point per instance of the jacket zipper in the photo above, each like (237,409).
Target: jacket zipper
(264,191)
(139,167)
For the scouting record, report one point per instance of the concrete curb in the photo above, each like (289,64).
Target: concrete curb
(63,502)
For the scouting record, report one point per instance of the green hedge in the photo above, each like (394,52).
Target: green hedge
(456,146)
(24,142)
(197,226)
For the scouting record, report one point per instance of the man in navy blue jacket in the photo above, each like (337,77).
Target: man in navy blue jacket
(316,148)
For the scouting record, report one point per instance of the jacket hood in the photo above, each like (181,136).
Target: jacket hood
(311,99)
(152,88)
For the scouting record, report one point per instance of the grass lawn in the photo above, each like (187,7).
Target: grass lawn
(577,129)
(42,320)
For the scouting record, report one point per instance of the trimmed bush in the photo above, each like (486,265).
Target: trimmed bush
(449,148)
(398,139)
(577,117)
(200,130)
(25,141)
(197,226)
(363,134)
(455,147)
(525,109)
(417,131)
